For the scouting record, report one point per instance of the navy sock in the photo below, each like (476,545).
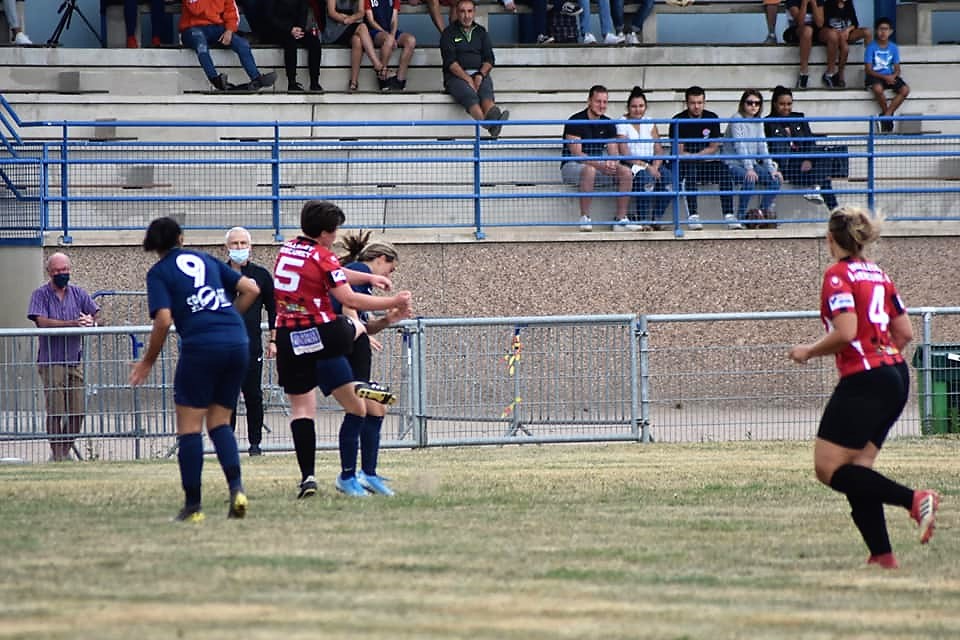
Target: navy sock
(861,482)
(370,444)
(349,444)
(190,459)
(869,518)
(225,444)
(305,444)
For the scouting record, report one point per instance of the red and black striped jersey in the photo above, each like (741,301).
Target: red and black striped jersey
(303,276)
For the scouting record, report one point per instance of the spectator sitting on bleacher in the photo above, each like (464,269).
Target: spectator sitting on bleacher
(466,52)
(636,25)
(382,20)
(203,22)
(771,8)
(786,138)
(806,20)
(698,143)
(17,35)
(433,8)
(882,62)
(640,141)
(345,27)
(753,165)
(159,23)
(841,28)
(589,139)
(287,27)
(608,34)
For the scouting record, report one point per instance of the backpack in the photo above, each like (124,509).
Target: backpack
(563,27)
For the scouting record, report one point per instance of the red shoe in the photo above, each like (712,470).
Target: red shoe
(155,41)
(885,560)
(924,511)
(132,42)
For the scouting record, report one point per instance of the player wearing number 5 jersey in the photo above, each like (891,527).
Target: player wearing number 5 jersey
(312,340)
(867,329)
(194,291)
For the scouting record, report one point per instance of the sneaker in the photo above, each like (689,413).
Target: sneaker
(238,505)
(384,84)
(220,82)
(396,84)
(623,224)
(350,487)
(885,560)
(589,38)
(495,129)
(612,38)
(924,511)
(632,39)
(586,223)
(308,488)
(693,222)
(132,42)
(802,81)
(155,42)
(21,39)
(814,196)
(827,80)
(255,450)
(838,82)
(263,81)
(315,87)
(732,222)
(571,9)
(771,39)
(376,392)
(374,484)
(294,87)
(189,513)
(544,39)
(886,126)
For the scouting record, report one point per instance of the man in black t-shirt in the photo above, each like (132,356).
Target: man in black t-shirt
(586,160)
(698,142)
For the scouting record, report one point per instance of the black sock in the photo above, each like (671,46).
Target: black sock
(868,516)
(862,482)
(370,444)
(305,444)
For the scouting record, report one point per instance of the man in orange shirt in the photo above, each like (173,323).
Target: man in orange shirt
(203,22)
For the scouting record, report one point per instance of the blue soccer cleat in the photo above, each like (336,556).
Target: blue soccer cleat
(374,484)
(351,487)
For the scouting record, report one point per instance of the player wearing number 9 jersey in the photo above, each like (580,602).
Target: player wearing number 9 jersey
(194,290)
(867,328)
(312,339)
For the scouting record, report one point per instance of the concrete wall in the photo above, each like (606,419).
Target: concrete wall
(22,272)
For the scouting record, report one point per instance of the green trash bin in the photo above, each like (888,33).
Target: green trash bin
(941,414)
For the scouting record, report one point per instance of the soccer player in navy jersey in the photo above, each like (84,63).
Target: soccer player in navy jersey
(867,329)
(313,340)
(194,291)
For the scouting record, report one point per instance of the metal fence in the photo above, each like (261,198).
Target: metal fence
(668,378)
(411,182)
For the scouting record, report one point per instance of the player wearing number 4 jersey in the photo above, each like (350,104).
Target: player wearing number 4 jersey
(313,340)
(867,329)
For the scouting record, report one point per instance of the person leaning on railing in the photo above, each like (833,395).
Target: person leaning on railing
(54,305)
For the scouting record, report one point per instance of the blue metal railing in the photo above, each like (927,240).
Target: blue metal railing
(380,173)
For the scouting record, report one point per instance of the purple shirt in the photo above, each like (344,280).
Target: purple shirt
(44,303)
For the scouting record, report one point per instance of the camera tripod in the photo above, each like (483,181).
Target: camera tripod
(68,8)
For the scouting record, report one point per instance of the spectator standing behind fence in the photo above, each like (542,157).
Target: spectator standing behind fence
(345,28)
(698,142)
(806,20)
(752,166)
(640,144)
(841,28)
(590,153)
(383,18)
(59,304)
(194,291)
(882,62)
(467,55)
(379,258)
(206,22)
(17,34)
(238,243)
(159,22)
(867,330)
(313,340)
(788,139)
(286,25)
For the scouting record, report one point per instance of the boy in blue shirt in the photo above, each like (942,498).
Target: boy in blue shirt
(882,62)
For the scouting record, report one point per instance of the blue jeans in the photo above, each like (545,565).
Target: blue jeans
(764,179)
(636,25)
(198,39)
(647,207)
(606,20)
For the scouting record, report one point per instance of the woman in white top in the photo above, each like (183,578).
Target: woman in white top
(640,143)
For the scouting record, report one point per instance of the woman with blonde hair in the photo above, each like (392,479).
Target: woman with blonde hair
(867,329)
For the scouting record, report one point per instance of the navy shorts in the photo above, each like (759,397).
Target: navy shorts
(326,369)
(894,86)
(865,406)
(210,375)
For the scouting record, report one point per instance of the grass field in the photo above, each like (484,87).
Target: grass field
(533,542)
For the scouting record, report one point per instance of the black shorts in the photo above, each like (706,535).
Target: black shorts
(360,358)
(865,406)
(297,373)
(894,86)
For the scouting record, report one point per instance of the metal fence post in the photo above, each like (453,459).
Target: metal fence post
(643,333)
(418,360)
(64,189)
(926,400)
(477,213)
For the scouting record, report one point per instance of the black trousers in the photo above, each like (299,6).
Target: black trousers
(253,398)
(290,45)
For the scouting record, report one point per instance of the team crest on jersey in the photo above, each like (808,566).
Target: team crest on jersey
(842,300)
(834,281)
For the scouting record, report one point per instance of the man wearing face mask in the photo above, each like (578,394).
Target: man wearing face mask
(59,304)
(238,243)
